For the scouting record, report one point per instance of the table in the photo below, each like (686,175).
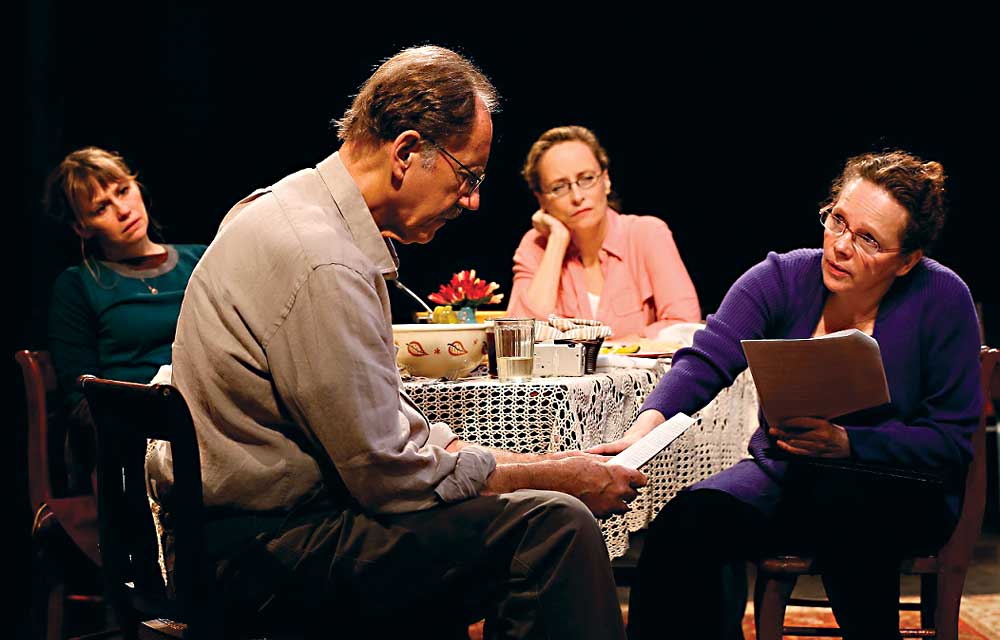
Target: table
(565,413)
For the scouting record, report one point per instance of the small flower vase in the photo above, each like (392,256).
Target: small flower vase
(466,314)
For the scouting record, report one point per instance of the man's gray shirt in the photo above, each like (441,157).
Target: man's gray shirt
(285,337)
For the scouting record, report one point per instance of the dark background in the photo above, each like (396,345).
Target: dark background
(730,134)
(731,139)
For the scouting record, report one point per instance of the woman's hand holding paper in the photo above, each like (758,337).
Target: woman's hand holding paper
(812,437)
(645,423)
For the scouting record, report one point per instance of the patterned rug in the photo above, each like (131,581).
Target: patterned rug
(982,612)
(980,619)
(972,625)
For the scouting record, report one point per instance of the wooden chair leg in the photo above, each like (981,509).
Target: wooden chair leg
(55,612)
(949,585)
(928,600)
(770,598)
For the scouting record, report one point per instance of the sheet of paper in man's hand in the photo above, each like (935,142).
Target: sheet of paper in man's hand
(640,452)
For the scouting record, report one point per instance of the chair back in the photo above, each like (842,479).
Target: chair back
(942,576)
(958,550)
(126,416)
(44,479)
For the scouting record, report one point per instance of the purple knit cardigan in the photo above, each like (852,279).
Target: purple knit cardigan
(929,339)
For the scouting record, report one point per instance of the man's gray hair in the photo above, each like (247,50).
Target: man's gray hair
(429,89)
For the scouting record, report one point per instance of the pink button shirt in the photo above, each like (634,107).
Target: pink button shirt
(646,286)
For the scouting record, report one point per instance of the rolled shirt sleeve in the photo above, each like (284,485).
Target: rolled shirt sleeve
(441,434)
(333,367)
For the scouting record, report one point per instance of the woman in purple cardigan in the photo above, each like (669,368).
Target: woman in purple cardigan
(885,210)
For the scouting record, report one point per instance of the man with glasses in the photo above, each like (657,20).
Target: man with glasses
(470,179)
(328,489)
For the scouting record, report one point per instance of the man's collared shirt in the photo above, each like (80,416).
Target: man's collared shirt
(284,353)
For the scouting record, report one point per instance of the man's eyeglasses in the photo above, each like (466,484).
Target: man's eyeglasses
(584,183)
(470,179)
(835,224)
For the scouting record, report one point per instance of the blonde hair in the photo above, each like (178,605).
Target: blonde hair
(551,138)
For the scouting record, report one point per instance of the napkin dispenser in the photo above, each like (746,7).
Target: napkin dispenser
(558,360)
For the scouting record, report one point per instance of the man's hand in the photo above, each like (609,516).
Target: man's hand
(548,226)
(812,437)
(604,488)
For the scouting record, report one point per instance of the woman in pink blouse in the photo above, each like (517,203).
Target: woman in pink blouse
(583,259)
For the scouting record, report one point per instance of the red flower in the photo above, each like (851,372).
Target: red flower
(466,290)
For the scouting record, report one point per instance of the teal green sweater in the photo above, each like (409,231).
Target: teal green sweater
(116,327)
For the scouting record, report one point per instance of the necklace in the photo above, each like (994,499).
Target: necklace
(152,290)
(146,262)
(133,264)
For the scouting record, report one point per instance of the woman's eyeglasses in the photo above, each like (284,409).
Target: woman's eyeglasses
(835,224)
(584,183)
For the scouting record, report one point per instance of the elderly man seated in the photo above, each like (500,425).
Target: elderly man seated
(330,491)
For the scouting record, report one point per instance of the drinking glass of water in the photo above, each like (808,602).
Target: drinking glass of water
(515,345)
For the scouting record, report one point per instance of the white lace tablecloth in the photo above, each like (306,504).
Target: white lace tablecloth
(557,414)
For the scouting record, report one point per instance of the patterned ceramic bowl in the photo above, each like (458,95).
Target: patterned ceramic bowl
(440,350)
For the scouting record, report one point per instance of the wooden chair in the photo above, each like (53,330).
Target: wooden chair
(64,530)
(942,577)
(126,415)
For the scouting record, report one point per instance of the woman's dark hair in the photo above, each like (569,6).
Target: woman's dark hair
(916,185)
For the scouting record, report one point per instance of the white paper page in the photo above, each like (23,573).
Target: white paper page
(822,377)
(640,452)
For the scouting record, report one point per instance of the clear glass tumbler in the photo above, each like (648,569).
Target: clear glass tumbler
(515,345)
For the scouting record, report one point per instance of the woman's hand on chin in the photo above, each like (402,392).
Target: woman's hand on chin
(549,226)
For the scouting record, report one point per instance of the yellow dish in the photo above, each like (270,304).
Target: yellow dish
(481,316)
(624,349)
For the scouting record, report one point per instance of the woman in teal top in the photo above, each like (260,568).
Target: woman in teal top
(114,314)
